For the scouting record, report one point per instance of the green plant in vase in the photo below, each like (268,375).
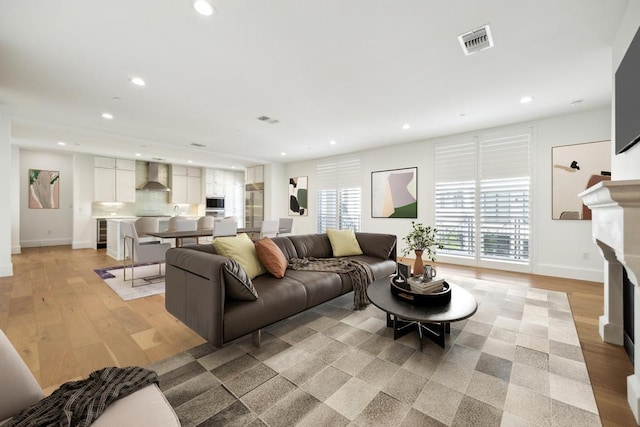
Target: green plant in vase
(421,239)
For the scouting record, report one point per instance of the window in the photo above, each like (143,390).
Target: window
(482,197)
(339,194)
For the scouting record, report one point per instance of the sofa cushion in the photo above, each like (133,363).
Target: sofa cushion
(271,257)
(279,299)
(286,246)
(237,284)
(344,242)
(320,286)
(312,245)
(379,268)
(242,249)
(377,245)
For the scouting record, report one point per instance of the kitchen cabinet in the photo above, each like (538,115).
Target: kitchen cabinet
(254,175)
(114,180)
(215,182)
(234,194)
(186,185)
(115,245)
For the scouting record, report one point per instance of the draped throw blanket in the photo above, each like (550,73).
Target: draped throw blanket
(79,403)
(358,271)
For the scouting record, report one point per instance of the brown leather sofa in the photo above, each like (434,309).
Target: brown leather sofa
(195,288)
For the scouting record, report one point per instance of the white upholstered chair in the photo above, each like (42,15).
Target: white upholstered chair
(225,227)
(206,223)
(147,224)
(285,227)
(269,228)
(19,389)
(136,252)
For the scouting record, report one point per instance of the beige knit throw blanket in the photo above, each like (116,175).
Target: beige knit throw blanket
(358,271)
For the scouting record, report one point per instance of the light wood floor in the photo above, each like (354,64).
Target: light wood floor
(66,322)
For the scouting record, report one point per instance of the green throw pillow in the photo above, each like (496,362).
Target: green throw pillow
(241,249)
(344,242)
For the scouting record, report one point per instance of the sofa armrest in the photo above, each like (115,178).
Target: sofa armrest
(18,388)
(194,291)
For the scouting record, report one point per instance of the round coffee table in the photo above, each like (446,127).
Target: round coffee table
(430,321)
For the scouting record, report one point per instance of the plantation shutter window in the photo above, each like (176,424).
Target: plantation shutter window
(482,189)
(455,197)
(339,194)
(504,196)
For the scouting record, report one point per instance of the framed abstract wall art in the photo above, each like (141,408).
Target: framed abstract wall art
(298,190)
(394,193)
(44,189)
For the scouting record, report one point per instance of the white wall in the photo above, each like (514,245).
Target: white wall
(46,227)
(625,165)
(557,247)
(560,245)
(14,189)
(6,267)
(84,226)
(275,193)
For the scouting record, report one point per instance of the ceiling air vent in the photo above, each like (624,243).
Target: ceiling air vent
(268,120)
(476,40)
(196,144)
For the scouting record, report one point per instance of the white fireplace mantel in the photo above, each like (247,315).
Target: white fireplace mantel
(615,208)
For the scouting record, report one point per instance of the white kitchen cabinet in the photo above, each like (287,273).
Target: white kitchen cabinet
(114,180)
(254,175)
(114,240)
(186,185)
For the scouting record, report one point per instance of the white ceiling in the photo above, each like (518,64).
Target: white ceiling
(353,71)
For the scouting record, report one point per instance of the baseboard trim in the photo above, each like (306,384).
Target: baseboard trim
(82,245)
(45,242)
(589,274)
(16,250)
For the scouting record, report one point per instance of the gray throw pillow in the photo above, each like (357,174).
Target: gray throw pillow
(237,284)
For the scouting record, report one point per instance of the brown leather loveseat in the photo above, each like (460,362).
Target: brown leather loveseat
(195,285)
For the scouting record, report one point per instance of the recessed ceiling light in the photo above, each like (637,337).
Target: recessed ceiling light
(137,81)
(332,142)
(406,126)
(189,161)
(138,155)
(203,7)
(233,167)
(62,143)
(107,116)
(526,100)
(283,153)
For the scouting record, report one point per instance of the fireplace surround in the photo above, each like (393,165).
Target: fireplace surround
(615,207)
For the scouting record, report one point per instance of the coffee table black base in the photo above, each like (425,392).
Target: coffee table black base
(436,332)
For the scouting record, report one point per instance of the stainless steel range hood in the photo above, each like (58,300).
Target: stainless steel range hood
(153,180)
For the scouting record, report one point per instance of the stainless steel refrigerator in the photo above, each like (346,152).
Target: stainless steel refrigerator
(254,205)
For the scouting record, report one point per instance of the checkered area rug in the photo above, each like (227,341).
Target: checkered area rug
(516,362)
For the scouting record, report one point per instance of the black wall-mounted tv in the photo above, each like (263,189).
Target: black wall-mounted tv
(627,115)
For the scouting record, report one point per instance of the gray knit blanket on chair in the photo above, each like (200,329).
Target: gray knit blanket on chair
(79,403)
(358,271)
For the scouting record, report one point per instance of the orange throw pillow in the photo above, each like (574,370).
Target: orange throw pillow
(271,257)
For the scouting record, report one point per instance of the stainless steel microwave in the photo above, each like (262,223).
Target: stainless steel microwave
(215,202)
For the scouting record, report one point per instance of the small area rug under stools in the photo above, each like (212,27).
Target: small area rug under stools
(114,277)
